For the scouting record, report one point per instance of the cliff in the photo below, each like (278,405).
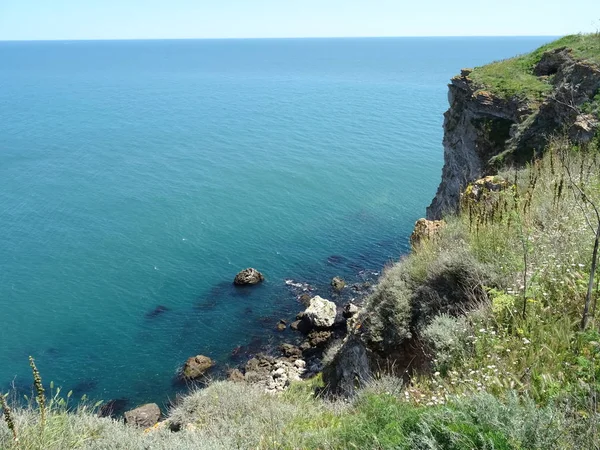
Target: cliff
(505,113)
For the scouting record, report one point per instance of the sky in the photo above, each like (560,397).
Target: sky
(176,19)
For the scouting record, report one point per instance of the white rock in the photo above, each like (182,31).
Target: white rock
(320,312)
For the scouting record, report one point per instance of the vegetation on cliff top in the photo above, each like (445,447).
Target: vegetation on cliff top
(514,77)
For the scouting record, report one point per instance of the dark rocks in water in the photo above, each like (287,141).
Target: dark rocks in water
(338,284)
(248,276)
(319,338)
(113,408)
(241,351)
(336,259)
(266,319)
(196,366)
(144,416)
(160,309)
(206,305)
(290,351)
(84,387)
(282,325)
(305,299)
(301,325)
(52,351)
(362,287)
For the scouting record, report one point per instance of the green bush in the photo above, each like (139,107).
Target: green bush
(446,336)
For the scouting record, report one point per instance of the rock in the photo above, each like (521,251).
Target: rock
(144,416)
(584,128)
(425,229)
(305,299)
(301,325)
(338,284)
(260,363)
(196,366)
(477,190)
(350,368)
(319,338)
(281,325)
(291,351)
(320,312)
(248,276)
(350,310)
(485,130)
(113,408)
(235,375)
(465,72)
(160,309)
(253,377)
(300,363)
(551,61)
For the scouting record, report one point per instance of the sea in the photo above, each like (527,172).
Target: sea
(138,177)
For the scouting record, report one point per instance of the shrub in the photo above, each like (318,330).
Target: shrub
(446,336)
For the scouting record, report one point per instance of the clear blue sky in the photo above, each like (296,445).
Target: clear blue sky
(145,19)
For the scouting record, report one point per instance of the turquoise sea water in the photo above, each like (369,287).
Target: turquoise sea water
(142,173)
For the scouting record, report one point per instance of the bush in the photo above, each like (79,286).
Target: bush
(446,336)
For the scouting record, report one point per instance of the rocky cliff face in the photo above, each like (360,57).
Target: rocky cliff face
(483,130)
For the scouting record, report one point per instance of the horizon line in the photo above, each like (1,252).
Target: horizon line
(284,38)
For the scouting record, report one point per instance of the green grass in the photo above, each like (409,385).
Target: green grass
(513,78)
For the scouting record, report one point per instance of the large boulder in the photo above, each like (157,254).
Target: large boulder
(320,312)
(144,416)
(350,368)
(196,366)
(248,276)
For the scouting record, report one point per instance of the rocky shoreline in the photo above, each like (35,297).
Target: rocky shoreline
(317,327)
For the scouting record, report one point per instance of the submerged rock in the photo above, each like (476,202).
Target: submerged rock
(160,309)
(305,299)
(144,416)
(113,408)
(196,366)
(248,276)
(338,284)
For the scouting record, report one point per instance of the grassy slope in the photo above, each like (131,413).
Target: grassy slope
(513,77)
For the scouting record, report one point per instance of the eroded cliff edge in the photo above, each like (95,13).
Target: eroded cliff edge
(489,126)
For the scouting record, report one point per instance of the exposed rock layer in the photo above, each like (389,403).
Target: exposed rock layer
(483,130)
